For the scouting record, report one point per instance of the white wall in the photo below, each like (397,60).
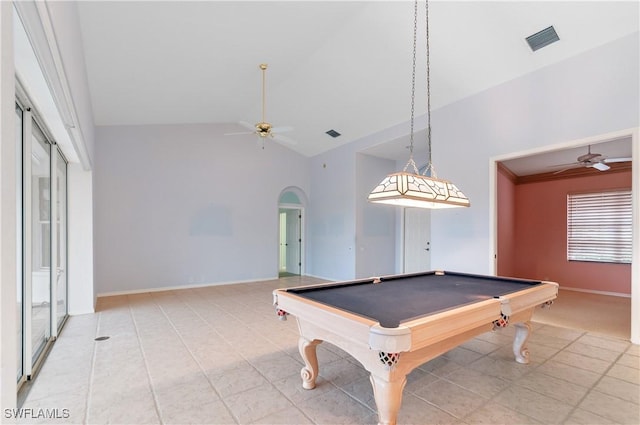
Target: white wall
(183,205)
(339,189)
(331,225)
(375,223)
(68,37)
(8,221)
(65,21)
(593,93)
(82,295)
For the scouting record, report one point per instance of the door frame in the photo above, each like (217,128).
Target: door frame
(634,133)
(300,209)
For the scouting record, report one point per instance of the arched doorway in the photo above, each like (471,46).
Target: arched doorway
(291,232)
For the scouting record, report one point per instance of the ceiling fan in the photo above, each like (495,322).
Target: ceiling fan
(591,160)
(264,129)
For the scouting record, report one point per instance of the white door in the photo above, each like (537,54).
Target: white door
(283,242)
(293,241)
(417,240)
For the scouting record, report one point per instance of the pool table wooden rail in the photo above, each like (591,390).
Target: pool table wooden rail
(389,354)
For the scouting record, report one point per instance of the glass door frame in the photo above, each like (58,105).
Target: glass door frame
(57,269)
(29,364)
(29,119)
(20,372)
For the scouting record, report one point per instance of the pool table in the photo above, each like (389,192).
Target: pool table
(393,324)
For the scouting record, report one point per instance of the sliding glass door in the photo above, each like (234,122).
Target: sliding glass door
(40,247)
(59,278)
(42,285)
(19,280)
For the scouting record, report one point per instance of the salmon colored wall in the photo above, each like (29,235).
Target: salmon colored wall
(506,225)
(540,243)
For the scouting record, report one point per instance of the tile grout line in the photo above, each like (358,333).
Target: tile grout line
(164,313)
(146,364)
(245,359)
(92,373)
(252,365)
(592,388)
(511,383)
(559,350)
(588,389)
(444,378)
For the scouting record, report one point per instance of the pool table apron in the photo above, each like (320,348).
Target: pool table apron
(390,354)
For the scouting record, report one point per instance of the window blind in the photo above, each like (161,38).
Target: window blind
(599,227)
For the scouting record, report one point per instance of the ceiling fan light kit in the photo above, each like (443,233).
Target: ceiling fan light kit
(425,190)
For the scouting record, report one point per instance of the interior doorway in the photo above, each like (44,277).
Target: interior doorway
(634,136)
(290,242)
(291,232)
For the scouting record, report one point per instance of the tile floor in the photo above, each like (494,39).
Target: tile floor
(218,355)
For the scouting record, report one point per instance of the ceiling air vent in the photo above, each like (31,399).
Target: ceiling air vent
(333,133)
(542,38)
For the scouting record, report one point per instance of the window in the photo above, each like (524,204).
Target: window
(599,227)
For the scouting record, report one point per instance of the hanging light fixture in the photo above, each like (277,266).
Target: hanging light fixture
(409,189)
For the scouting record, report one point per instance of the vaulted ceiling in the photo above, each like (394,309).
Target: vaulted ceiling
(332,64)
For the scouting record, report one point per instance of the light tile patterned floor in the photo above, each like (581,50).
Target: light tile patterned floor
(218,355)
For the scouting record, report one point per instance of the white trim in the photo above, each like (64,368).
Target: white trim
(36,21)
(635,193)
(27,242)
(302,197)
(635,265)
(179,287)
(53,241)
(301,211)
(591,291)
(608,137)
(320,277)
(493,215)
(8,214)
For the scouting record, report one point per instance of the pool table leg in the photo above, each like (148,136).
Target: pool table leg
(309,373)
(520,350)
(388,397)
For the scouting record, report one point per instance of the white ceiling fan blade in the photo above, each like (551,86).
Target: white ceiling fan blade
(570,164)
(600,166)
(239,133)
(247,125)
(284,139)
(565,169)
(611,160)
(281,129)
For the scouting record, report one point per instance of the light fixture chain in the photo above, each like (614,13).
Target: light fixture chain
(413,90)
(413,73)
(407,189)
(429,170)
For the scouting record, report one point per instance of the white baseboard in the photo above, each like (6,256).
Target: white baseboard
(320,277)
(590,291)
(189,286)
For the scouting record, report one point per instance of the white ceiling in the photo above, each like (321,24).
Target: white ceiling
(332,64)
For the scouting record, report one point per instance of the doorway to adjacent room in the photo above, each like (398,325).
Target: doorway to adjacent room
(291,233)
